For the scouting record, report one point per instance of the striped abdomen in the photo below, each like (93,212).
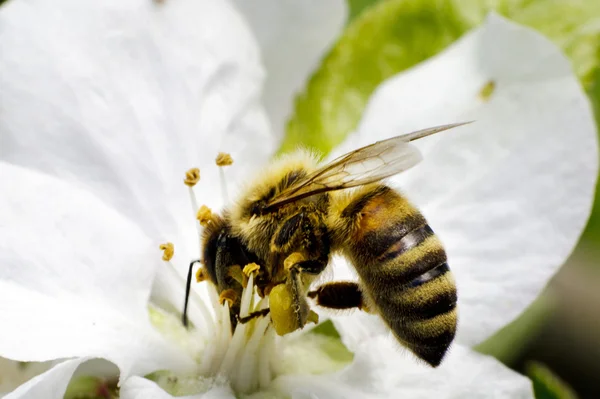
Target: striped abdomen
(404,271)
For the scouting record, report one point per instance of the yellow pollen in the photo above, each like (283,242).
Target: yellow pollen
(224,159)
(192,177)
(204,215)
(201,275)
(313,317)
(251,268)
(168,251)
(228,295)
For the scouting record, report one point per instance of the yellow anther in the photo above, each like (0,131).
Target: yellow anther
(251,268)
(294,258)
(228,295)
(312,317)
(168,251)
(192,177)
(201,275)
(204,215)
(224,159)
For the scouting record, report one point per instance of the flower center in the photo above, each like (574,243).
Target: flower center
(249,356)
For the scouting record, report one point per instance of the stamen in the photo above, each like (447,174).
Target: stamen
(207,320)
(201,275)
(204,215)
(192,177)
(223,159)
(251,268)
(168,251)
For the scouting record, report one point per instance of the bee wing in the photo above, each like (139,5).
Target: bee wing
(362,166)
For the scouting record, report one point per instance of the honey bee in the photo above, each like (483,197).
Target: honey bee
(297,214)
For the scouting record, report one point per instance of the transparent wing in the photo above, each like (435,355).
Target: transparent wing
(359,167)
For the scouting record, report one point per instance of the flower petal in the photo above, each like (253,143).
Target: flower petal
(13,373)
(51,384)
(509,194)
(75,278)
(141,388)
(124,96)
(293,36)
(381,370)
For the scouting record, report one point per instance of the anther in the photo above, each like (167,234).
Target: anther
(228,295)
(168,251)
(201,275)
(224,159)
(204,215)
(251,268)
(293,259)
(192,177)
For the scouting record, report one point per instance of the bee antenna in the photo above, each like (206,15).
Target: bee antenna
(188,286)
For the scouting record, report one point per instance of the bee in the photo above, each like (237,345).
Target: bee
(297,214)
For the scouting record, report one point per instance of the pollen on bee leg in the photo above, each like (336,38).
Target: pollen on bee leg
(313,317)
(204,215)
(228,295)
(168,251)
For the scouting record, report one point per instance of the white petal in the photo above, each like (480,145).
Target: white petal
(294,36)
(141,388)
(123,96)
(49,385)
(380,369)
(13,373)
(509,194)
(75,278)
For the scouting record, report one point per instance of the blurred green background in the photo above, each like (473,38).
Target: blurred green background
(556,342)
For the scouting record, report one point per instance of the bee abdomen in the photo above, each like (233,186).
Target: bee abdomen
(411,285)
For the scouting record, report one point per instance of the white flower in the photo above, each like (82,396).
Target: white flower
(104,105)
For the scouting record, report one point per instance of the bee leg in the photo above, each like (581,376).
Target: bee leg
(340,295)
(296,267)
(253,315)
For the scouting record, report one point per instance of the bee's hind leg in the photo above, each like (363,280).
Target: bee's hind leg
(340,295)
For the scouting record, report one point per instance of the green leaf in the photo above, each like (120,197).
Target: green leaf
(548,385)
(356,7)
(391,36)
